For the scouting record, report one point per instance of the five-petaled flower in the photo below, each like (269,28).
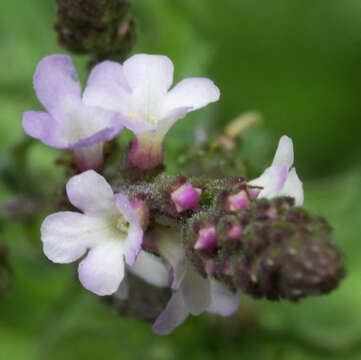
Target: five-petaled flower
(280,179)
(68,123)
(139,91)
(109,228)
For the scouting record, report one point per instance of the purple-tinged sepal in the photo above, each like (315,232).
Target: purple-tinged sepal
(145,154)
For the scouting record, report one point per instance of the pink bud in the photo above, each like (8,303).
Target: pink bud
(253,192)
(237,202)
(186,197)
(207,239)
(142,211)
(272,213)
(235,232)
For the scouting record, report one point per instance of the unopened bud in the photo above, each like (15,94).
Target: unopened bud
(206,239)
(235,232)
(101,28)
(254,192)
(237,202)
(186,197)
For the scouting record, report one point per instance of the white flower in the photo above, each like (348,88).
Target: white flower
(139,91)
(108,227)
(280,179)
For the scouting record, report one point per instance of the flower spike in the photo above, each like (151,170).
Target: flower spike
(68,123)
(139,91)
(109,228)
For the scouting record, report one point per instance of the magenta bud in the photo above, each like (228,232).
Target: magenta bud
(142,211)
(237,202)
(207,239)
(186,197)
(254,192)
(235,232)
(272,213)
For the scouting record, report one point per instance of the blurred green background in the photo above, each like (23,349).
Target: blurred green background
(295,61)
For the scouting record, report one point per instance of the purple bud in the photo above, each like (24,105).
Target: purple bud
(142,211)
(186,197)
(235,232)
(237,202)
(272,213)
(254,192)
(207,239)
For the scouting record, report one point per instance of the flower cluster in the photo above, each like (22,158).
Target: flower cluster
(205,240)
(135,95)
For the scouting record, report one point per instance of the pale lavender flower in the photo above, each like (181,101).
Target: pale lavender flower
(68,123)
(280,179)
(192,294)
(139,91)
(108,227)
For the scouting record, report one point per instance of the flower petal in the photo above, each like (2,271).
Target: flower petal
(172,316)
(42,126)
(67,235)
(172,251)
(168,121)
(293,187)
(284,154)
(91,193)
(151,73)
(133,242)
(196,292)
(193,92)
(107,87)
(151,269)
(56,82)
(100,133)
(102,271)
(223,301)
(272,180)
(138,126)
